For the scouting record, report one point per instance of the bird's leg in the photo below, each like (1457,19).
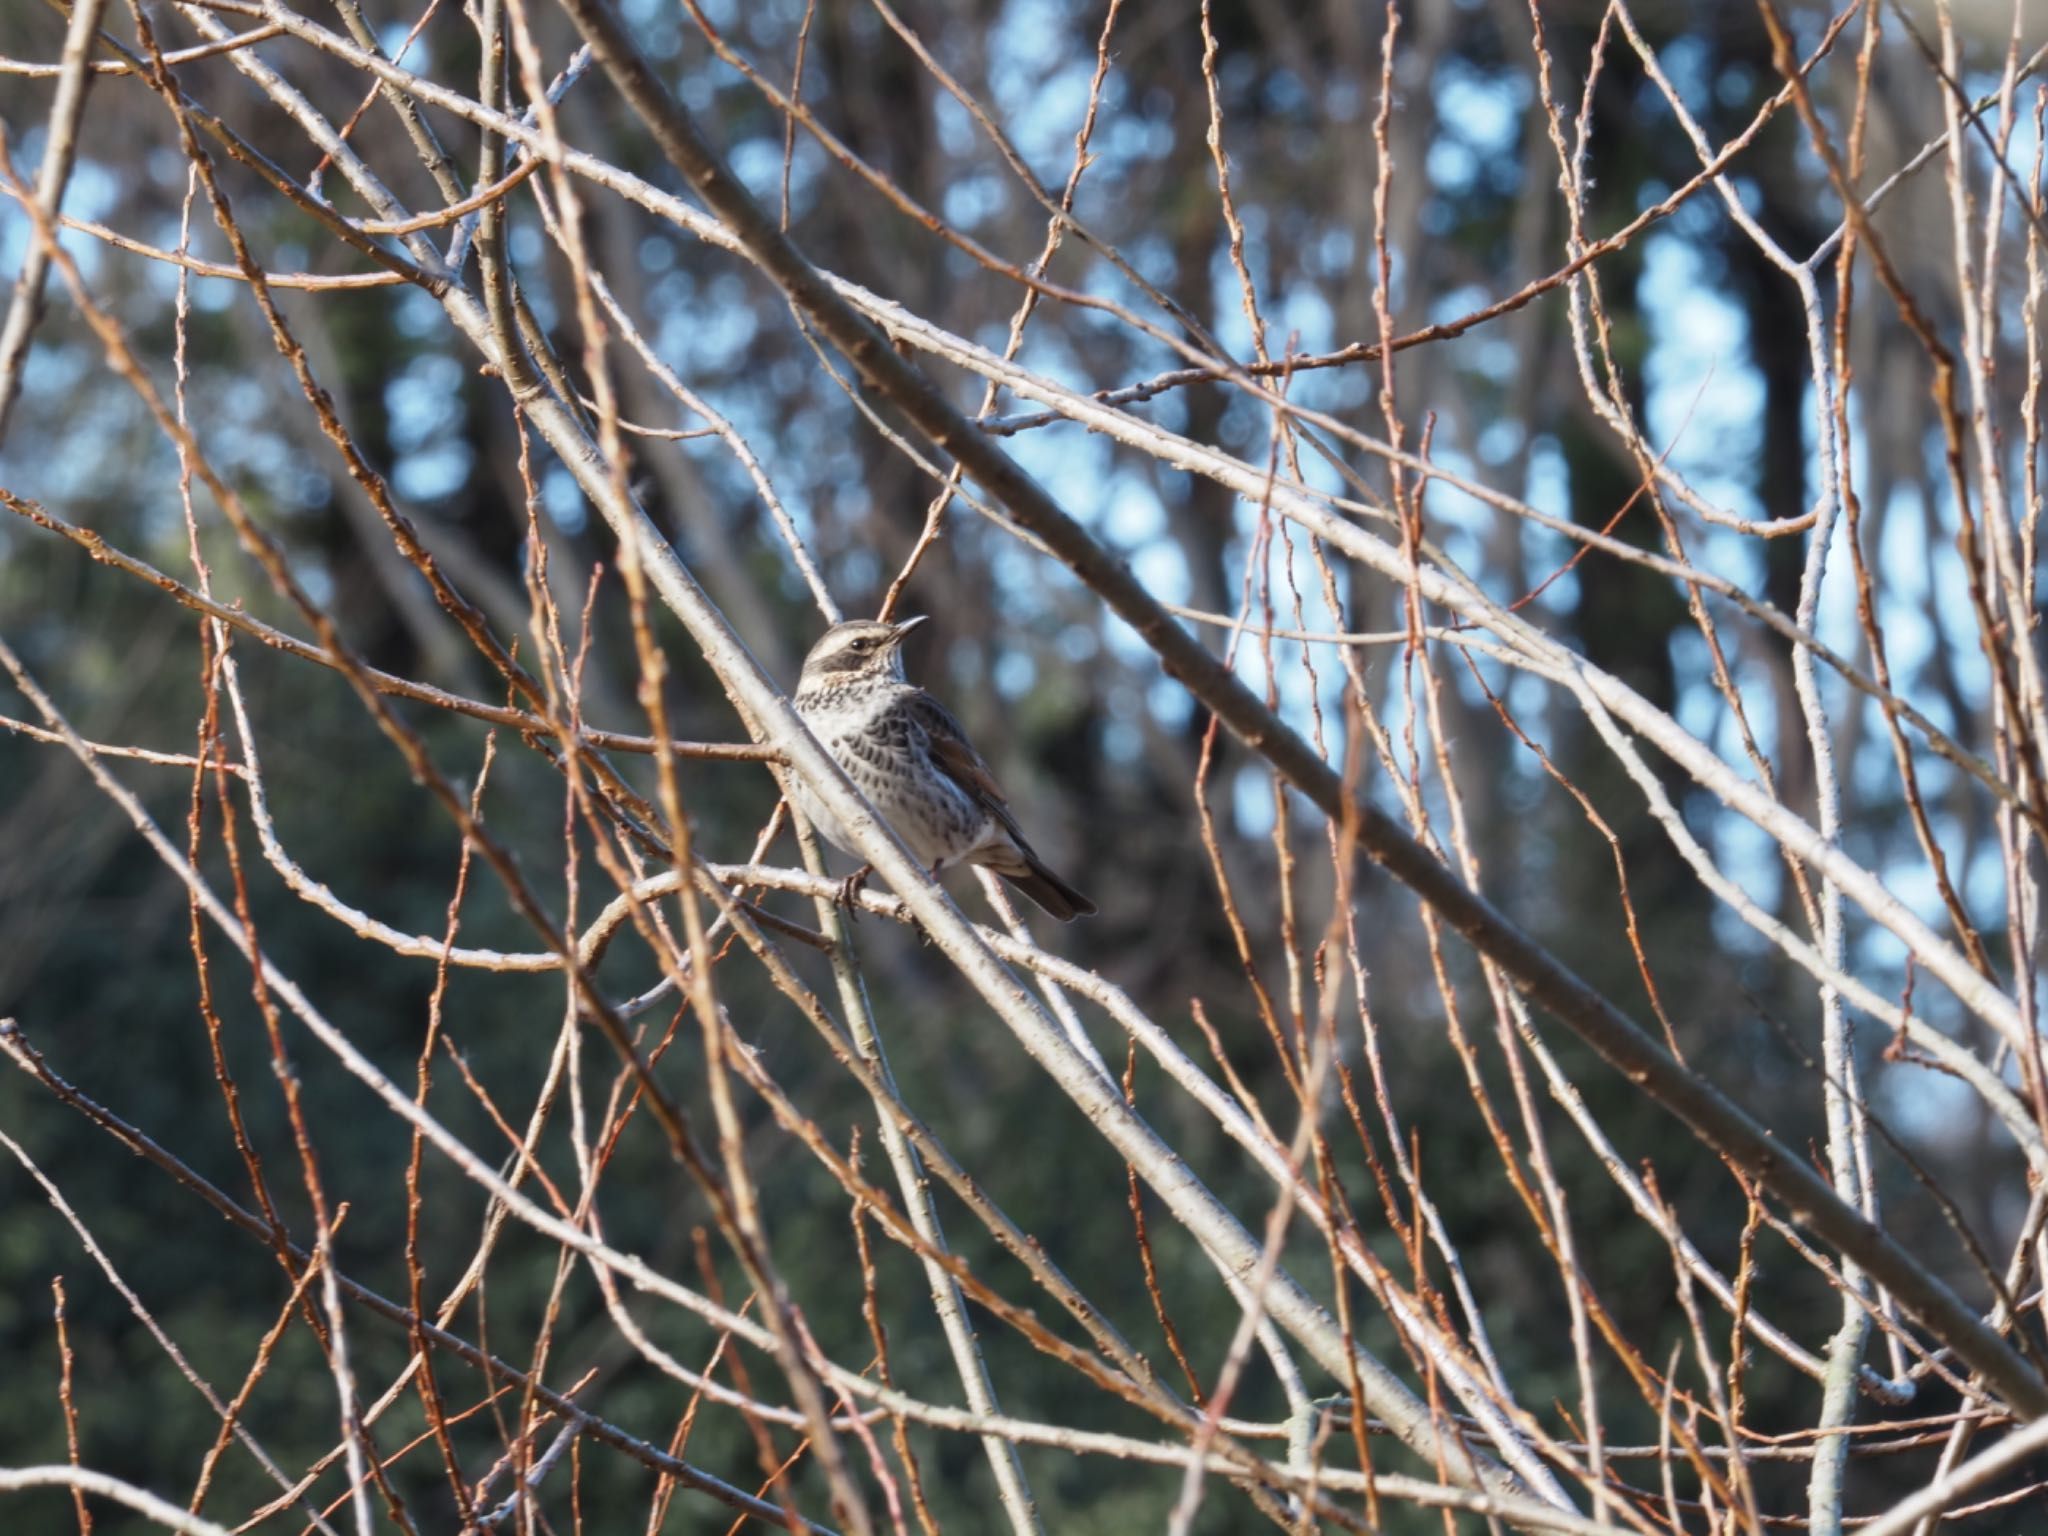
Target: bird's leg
(848,895)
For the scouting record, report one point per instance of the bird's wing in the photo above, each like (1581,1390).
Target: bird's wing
(955,757)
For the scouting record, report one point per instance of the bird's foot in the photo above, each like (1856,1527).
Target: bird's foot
(848,894)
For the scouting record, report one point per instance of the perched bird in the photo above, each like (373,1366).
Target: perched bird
(912,760)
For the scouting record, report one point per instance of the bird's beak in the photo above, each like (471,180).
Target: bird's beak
(903,629)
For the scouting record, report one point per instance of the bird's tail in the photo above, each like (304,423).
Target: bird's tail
(1023,869)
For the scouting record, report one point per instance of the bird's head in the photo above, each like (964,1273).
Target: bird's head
(860,650)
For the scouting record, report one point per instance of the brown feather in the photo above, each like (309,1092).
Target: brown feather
(965,767)
(1057,898)
(955,757)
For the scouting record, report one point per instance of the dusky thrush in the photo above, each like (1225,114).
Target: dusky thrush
(914,763)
